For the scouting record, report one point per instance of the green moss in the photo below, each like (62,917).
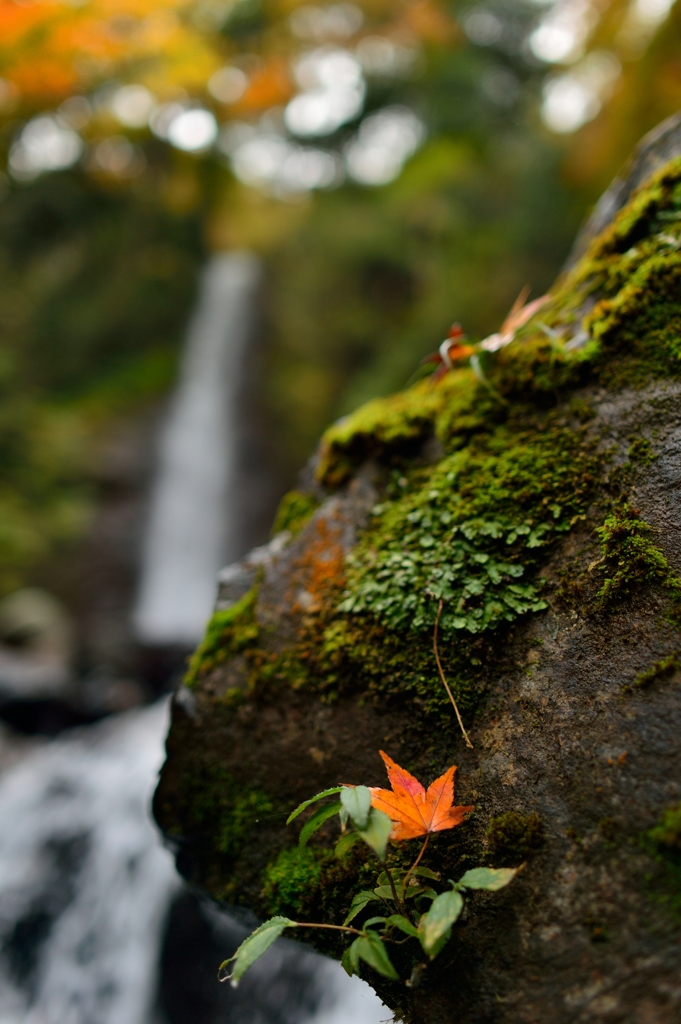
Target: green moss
(289,882)
(471,530)
(629,557)
(661,669)
(663,843)
(228,632)
(212,802)
(641,452)
(511,838)
(296,508)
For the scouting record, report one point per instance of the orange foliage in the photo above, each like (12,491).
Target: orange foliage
(415,811)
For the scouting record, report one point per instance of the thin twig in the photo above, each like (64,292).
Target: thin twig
(335,927)
(412,869)
(442,675)
(398,901)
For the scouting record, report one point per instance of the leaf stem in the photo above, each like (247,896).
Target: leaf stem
(416,863)
(335,927)
(398,902)
(443,678)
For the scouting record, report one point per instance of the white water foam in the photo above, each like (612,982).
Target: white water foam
(86,885)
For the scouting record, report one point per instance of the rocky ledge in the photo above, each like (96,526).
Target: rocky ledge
(530,497)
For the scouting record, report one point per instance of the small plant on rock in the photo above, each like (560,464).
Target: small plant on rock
(410,908)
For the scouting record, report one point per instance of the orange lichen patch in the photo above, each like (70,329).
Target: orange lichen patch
(319,572)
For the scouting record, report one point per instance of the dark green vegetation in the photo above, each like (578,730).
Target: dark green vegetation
(95,290)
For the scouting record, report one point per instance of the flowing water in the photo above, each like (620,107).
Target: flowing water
(188,536)
(85,891)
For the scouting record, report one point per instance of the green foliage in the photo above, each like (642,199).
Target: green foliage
(95,288)
(313,799)
(629,557)
(402,893)
(490,879)
(511,837)
(228,632)
(296,508)
(435,926)
(252,948)
(356,801)
(370,948)
(314,823)
(377,832)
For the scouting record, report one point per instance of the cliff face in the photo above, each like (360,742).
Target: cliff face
(535,498)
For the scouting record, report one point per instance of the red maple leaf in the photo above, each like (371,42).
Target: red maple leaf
(415,811)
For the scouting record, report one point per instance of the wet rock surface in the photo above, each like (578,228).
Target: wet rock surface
(577,723)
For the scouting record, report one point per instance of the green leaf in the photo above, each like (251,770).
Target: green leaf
(312,800)
(370,948)
(356,801)
(373,920)
(435,926)
(487,878)
(426,873)
(316,822)
(345,842)
(359,902)
(252,948)
(377,832)
(384,892)
(350,959)
(403,923)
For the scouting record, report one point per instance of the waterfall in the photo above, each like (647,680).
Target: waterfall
(188,536)
(84,881)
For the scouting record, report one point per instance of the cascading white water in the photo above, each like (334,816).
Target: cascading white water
(187,538)
(85,886)
(84,881)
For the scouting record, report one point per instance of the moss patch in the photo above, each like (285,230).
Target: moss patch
(295,509)
(511,838)
(661,669)
(291,879)
(663,842)
(229,632)
(630,559)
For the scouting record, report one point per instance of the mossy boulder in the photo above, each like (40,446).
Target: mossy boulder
(531,503)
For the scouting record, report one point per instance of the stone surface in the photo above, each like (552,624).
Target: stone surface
(562,728)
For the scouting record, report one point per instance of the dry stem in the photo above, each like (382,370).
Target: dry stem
(442,676)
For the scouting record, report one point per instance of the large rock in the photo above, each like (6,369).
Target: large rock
(538,495)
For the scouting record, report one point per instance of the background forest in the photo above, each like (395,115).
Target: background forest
(398,165)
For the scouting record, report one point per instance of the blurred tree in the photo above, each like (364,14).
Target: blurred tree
(398,164)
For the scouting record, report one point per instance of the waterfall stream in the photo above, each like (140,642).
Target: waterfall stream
(188,536)
(85,889)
